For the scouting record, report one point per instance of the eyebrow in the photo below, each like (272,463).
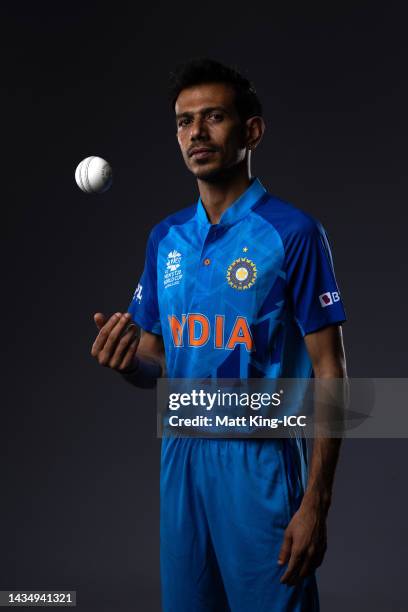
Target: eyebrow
(204,111)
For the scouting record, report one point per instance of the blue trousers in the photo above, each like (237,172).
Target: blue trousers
(225,504)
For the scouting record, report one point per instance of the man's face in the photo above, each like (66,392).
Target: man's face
(210,132)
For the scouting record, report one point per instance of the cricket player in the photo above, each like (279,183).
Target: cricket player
(238,285)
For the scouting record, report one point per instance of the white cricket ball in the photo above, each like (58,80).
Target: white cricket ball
(93,175)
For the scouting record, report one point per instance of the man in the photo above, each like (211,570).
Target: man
(239,285)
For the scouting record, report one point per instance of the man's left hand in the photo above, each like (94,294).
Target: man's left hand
(304,544)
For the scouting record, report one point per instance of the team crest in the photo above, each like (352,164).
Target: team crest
(241,274)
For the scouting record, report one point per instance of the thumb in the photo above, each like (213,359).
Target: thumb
(99,319)
(284,554)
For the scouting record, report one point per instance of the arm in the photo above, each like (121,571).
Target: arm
(326,351)
(304,544)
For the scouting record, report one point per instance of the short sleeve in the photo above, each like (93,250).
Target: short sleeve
(144,306)
(311,279)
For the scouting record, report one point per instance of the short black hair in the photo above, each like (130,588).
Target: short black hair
(198,71)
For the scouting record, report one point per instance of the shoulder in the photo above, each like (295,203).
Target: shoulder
(180,217)
(288,220)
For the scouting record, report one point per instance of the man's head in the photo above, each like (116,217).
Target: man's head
(218,117)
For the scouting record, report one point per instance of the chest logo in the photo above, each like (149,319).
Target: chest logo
(173,273)
(241,274)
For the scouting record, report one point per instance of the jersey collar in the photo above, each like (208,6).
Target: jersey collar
(238,209)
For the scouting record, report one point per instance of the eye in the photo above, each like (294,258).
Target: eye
(183,122)
(216,116)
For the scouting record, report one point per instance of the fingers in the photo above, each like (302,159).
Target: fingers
(115,335)
(99,319)
(316,556)
(307,567)
(117,341)
(295,562)
(320,556)
(303,548)
(311,561)
(128,359)
(284,553)
(103,335)
(302,564)
(127,343)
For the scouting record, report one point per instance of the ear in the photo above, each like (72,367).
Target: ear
(255,128)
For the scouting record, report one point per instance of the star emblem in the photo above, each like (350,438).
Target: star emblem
(245,249)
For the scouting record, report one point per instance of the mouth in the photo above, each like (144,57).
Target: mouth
(201,153)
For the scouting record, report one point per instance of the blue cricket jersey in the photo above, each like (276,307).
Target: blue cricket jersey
(235,299)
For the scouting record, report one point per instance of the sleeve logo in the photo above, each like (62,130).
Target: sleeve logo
(138,293)
(173,273)
(328,298)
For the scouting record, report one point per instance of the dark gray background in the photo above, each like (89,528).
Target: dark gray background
(80,458)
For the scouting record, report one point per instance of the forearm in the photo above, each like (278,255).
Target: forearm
(330,398)
(321,474)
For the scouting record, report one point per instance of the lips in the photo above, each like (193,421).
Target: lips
(201,152)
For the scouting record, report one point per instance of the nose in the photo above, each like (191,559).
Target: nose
(197,131)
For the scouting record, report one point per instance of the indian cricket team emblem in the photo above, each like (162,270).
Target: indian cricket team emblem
(241,274)
(173,273)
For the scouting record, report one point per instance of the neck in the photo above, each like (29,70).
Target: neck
(217,195)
